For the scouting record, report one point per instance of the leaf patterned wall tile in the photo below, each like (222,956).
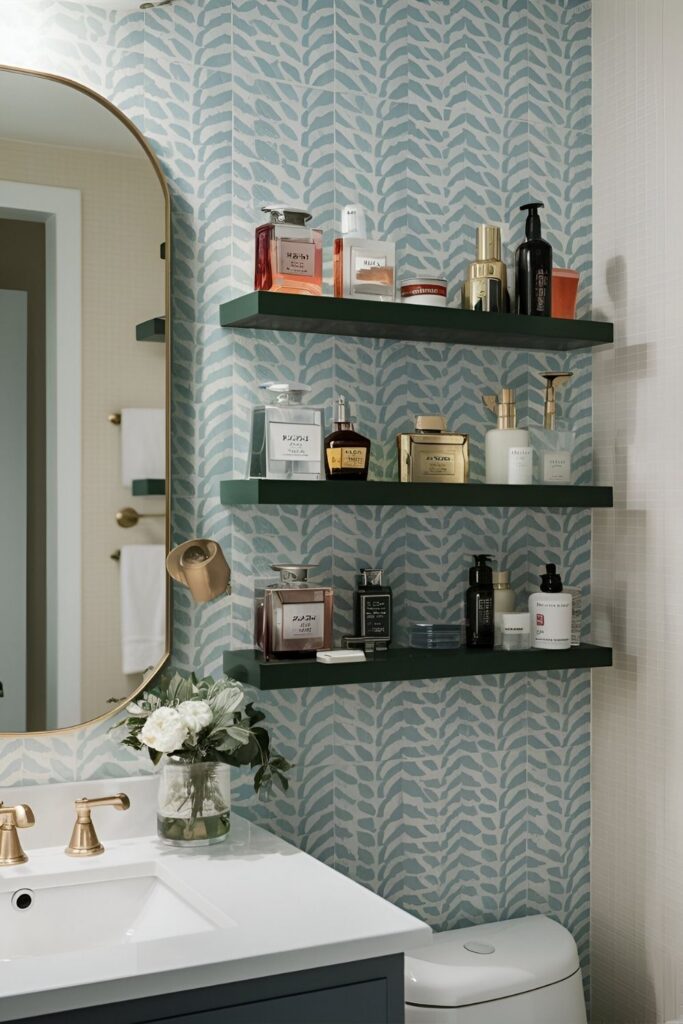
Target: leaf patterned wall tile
(290,41)
(371,38)
(196,31)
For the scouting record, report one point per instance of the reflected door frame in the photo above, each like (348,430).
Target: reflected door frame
(60,210)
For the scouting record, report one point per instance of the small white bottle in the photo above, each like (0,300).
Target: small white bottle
(509,458)
(503,601)
(550,613)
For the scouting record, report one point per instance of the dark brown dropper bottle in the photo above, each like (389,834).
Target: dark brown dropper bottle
(347,453)
(533,268)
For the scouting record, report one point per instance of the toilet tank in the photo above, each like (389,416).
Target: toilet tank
(524,971)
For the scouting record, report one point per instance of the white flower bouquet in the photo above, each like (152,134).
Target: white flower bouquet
(201,725)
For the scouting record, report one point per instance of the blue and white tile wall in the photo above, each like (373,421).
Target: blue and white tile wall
(462,800)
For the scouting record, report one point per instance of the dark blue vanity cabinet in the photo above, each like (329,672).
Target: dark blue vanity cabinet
(362,992)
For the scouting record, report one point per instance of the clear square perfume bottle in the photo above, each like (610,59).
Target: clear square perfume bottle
(364,268)
(553,446)
(289,255)
(293,617)
(286,435)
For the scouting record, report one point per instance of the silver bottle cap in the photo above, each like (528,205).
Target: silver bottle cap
(371,577)
(286,394)
(282,214)
(294,573)
(430,424)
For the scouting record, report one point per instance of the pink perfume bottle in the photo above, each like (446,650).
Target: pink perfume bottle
(289,255)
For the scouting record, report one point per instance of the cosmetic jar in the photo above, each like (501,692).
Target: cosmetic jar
(424,291)
(515,631)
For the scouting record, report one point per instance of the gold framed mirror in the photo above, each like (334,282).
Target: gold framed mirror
(85,371)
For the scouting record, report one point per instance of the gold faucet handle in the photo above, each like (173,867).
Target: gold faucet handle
(84,841)
(12,818)
(20,816)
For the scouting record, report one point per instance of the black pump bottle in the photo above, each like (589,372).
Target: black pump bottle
(479,604)
(533,266)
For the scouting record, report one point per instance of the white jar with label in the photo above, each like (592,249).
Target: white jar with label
(286,436)
(550,613)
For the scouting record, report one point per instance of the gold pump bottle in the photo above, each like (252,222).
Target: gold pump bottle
(485,287)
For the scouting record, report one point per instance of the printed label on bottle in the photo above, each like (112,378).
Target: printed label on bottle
(520,465)
(303,621)
(364,262)
(375,615)
(557,467)
(294,442)
(433,464)
(297,258)
(541,282)
(346,458)
(551,621)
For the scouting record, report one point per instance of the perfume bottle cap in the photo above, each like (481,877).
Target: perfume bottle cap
(294,573)
(430,424)
(481,571)
(342,410)
(353,221)
(488,242)
(501,580)
(551,581)
(371,577)
(282,214)
(286,394)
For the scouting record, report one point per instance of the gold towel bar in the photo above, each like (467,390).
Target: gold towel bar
(116,555)
(127,517)
(115,418)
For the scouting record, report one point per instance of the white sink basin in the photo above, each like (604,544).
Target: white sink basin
(69,912)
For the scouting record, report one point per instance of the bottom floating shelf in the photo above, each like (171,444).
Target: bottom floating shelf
(406,663)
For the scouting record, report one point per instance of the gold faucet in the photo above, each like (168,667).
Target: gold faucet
(84,841)
(12,818)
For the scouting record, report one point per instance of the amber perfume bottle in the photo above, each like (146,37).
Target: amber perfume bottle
(289,255)
(294,617)
(347,453)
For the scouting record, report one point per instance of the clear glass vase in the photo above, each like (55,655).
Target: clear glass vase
(194,803)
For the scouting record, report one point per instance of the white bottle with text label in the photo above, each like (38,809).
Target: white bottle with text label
(508,455)
(550,613)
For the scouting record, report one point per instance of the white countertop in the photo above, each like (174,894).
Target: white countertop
(276,910)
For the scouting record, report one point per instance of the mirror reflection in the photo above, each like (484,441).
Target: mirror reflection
(83,594)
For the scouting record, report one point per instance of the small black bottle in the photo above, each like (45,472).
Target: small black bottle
(534,266)
(479,604)
(373,607)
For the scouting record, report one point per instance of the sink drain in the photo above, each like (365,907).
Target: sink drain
(22,899)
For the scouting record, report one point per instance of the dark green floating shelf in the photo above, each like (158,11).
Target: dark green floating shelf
(277,311)
(151,330)
(406,663)
(390,492)
(144,488)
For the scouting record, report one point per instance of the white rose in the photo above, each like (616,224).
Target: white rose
(164,731)
(195,715)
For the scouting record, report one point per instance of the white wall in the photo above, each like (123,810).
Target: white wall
(637,887)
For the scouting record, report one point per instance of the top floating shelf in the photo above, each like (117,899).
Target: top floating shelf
(278,311)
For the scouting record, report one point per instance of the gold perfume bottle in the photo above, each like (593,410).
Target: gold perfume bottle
(433,455)
(485,288)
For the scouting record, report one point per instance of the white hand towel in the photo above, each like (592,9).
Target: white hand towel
(143,606)
(143,445)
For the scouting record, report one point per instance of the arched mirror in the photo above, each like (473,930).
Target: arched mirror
(84,371)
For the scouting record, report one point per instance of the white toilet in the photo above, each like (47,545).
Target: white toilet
(524,971)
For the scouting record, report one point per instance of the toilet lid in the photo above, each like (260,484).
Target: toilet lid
(490,961)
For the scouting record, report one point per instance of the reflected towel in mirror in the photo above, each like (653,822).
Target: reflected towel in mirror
(143,606)
(143,445)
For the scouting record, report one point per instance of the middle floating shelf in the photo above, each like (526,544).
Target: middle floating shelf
(391,492)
